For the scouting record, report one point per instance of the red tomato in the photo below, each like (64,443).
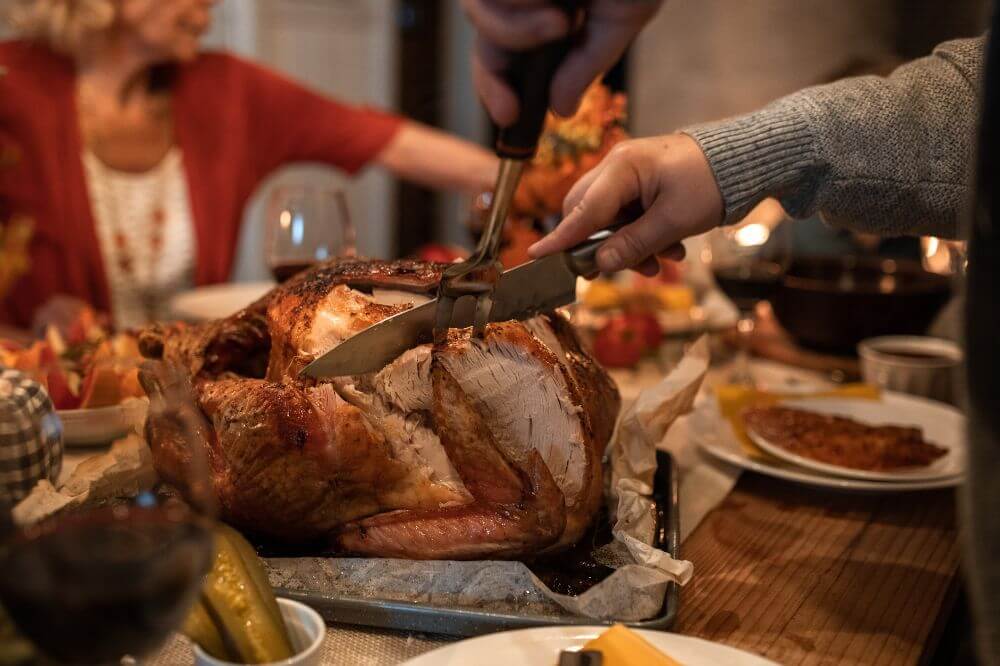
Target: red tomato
(620,343)
(59,391)
(648,326)
(438,252)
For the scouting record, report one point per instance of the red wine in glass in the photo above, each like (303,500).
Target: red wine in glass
(749,282)
(306,225)
(100,584)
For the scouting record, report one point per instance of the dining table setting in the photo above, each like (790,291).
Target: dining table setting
(483,456)
(730,531)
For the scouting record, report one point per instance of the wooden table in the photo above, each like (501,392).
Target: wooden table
(809,577)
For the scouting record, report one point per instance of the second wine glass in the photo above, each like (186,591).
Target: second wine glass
(94,583)
(748,261)
(306,225)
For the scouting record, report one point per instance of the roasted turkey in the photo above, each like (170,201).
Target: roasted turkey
(467,448)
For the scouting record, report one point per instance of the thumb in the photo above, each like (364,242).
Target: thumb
(650,234)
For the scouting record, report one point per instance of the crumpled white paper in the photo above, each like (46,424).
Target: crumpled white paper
(120,472)
(635,591)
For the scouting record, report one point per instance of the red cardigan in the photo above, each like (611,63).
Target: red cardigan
(235,122)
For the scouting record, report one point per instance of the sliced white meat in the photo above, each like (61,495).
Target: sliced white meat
(412,442)
(519,387)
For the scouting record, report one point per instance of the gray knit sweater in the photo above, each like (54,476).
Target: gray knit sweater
(886,155)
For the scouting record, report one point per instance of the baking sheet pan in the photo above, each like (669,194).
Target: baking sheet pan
(457,620)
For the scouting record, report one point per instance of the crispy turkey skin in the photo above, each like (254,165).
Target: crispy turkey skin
(470,448)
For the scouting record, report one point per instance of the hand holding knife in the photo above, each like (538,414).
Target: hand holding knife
(537,286)
(497,295)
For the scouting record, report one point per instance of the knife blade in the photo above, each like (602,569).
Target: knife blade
(534,287)
(537,286)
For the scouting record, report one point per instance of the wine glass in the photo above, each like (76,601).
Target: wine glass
(306,224)
(113,578)
(748,261)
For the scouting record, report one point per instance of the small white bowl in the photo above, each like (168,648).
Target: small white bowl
(918,365)
(305,627)
(103,425)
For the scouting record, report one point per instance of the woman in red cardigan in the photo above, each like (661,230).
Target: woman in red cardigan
(136,153)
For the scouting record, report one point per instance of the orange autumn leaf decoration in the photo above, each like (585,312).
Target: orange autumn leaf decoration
(569,148)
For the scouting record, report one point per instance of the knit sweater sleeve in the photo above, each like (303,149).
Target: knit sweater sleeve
(887,155)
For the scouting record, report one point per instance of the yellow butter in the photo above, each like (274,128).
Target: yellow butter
(675,297)
(602,295)
(622,647)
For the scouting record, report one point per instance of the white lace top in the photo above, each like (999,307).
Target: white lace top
(127,203)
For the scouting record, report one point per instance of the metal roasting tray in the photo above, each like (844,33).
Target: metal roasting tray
(458,621)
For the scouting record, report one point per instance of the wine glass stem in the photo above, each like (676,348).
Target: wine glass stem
(744,332)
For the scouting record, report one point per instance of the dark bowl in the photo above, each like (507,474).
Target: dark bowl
(832,303)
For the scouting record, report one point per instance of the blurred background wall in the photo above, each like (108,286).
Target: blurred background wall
(707,59)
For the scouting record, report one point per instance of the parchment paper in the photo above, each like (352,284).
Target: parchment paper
(635,591)
(119,472)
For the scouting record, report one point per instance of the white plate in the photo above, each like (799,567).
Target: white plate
(541,647)
(714,436)
(217,300)
(941,424)
(90,427)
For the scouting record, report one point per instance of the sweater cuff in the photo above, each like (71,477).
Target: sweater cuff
(764,154)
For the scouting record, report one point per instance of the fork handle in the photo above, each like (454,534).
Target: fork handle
(582,258)
(530,74)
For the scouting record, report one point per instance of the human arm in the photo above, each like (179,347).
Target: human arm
(514,25)
(289,122)
(436,159)
(883,155)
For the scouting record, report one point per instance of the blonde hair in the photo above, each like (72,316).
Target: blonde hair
(61,24)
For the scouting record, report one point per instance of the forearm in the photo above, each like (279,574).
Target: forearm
(886,155)
(435,159)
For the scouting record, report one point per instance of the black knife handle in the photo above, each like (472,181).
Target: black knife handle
(582,258)
(530,74)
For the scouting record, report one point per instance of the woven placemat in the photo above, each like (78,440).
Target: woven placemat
(347,645)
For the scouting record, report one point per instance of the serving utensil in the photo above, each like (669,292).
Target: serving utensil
(530,76)
(519,293)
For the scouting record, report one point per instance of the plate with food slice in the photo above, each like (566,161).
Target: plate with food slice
(897,438)
(618,645)
(941,425)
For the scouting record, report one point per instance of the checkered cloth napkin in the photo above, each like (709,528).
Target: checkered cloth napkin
(31,446)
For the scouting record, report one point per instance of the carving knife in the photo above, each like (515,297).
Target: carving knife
(521,292)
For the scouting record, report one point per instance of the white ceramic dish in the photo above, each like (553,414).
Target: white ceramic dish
(92,427)
(715,437)
(541,647)
(305,627)
(941,424)
(218,300)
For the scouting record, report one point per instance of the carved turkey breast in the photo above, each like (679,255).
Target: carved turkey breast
(470,448)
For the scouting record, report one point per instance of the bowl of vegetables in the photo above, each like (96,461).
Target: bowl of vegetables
(91,375)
